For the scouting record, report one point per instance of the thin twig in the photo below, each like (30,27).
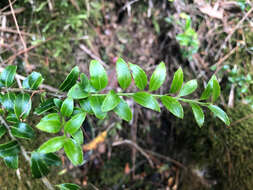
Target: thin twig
(24,153)
(15,31)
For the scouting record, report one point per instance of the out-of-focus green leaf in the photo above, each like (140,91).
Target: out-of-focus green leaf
(8,74)
(11,161)
(8,101)
(10,148)
(23,105)
(22,130)
(68,186)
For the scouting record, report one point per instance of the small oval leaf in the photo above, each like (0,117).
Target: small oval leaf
(67,107)
(98,76)
(177,81)
(73,151)
(77,92)
(188,88)
(158,77)
(95,103)
(70,79)
(218,112)
(140,77)
(23,105)
(123,110)
(33,81)
(198,114)
(22,130)
(216,89)
(173,106)
(110,102)
(8,74)
(52,145)
(123,74)
(74,123)
(51,123)
(146,100)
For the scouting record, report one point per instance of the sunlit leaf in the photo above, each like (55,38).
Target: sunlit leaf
(173,106)
(123,74)
(98,75)
(146,100)
(158,77)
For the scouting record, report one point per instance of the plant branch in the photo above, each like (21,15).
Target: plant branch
(24,153)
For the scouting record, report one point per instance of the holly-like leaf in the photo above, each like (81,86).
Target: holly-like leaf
(8,74)
(188,88)
(123,110)
(70,79)
(110,102)
(67,107)
(51,123)
(146,100)
(11,161)
(23,105)
(52,145)
(68,186)
(8,100)
(77,92)
(98,75)
(3,130)
(10,148)
(78,136)
(22,130)
(158,77)
(216,89)
(33,81)
(73,151)
(95,103)
(198,114)
(140,77)
(123,74)
(177,81)
(173,106)
(218,112)
(74,123)
(45,106)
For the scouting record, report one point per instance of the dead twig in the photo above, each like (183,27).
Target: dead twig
(15,31)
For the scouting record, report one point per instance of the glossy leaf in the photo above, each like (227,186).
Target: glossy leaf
(158,77)
(11,161)
(123,110)
(146,100)
(73,151)
(140,77)
(38,166)
(74,123)
(70,79)
(216,89)
(8,74)
(198,114)
(177,81)
(84,81)
(8,101)
(123,74)
(12,118)
(173,106)
(33,81)
(57,103)
(85,105)
(218,112)
(45,106)
(110,102)
(52,145)
(208,90)
(51,123)
(188,88)
(78,136)
(22,130)
(98,75)
(3,130)
(51,159)
(23,105)
(77,92)
(95,103)
(67,107)
(68,186)
(10,148)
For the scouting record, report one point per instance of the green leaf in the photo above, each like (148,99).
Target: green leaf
(177,81)
(52,145)
(33,81)
(146,100)
(11,161)
(8,101)
(198,114)
(77,92)
(216,89)
(218,112)
(12,118)
(123,110)
(45,106)
(85,105)
(67,107)
(57,103)
(10,148)
(158,77)
(51,123)
(173,106)
(110,102)
(8,74)
(188,88)
(3,130)
(98,75)
(51,159)
(78,136)
(84,81)
(74,123)
(68,186)
(73,151)
(22,106)
(22,130)
(95,103)
(208,90)
(140,77)
(70,79)
(123,74)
